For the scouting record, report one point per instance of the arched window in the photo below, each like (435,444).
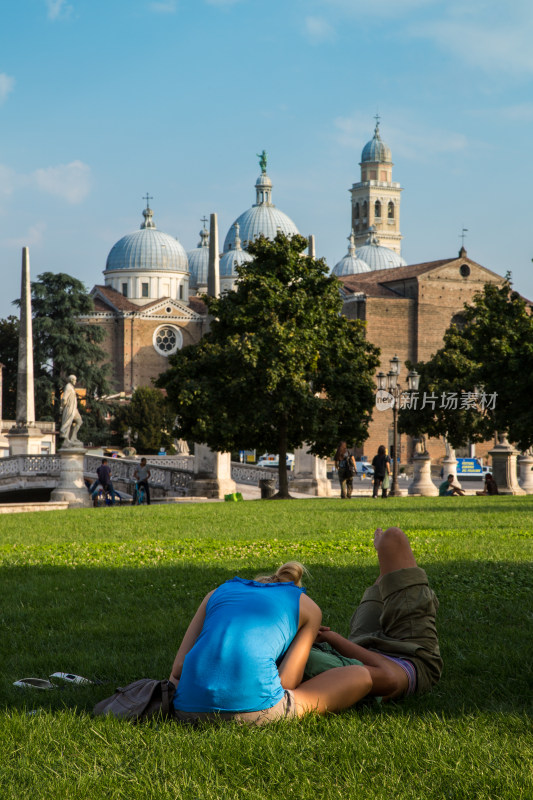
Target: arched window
(377,209)
(390,211)
(356,211)
(365,210)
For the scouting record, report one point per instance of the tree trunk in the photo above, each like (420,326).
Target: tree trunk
(283,492)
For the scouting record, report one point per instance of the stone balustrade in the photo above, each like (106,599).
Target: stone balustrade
(170,474)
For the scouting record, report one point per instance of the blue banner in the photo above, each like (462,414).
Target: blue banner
(469,466)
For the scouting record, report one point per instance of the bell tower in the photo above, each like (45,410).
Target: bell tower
(376,198)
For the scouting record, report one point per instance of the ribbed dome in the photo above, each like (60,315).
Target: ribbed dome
(235,257)
(263,217)
(148,250)
(199,261)
(350,264)
(378,257)
(375,150)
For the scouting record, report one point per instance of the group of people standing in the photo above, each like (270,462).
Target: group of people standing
(346,467)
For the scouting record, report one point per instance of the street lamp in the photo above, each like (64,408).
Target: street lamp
(391,384)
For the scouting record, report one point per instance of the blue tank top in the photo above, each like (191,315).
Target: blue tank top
(232,665)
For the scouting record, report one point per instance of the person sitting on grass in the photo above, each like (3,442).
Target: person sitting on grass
(392,631)
(449,487)
(490,486)
(243,655)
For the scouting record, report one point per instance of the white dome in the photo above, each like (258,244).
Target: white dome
(378,257)
(350,264)
(263,218)
(148,250)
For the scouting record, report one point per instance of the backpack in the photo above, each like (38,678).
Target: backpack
(139,700)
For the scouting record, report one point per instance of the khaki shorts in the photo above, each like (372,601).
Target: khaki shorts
(397,617)
(283,710)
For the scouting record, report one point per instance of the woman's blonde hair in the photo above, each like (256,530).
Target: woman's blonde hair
(291,571)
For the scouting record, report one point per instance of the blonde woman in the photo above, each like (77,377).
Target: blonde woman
(243,655)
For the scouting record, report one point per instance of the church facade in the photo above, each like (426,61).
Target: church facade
(150,304)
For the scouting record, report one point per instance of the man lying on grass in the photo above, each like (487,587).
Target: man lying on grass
(392,631)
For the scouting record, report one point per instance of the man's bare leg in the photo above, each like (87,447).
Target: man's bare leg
(394,551)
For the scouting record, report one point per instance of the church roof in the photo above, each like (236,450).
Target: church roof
(350,264)
(377,256)
(195,304)
(375,283)
(199,261)
(263,218)
(148,250)
(105,296)
(235,257)
(376,151)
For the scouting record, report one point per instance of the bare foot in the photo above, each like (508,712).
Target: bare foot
(378,533)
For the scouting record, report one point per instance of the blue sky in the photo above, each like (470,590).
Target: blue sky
(104,100)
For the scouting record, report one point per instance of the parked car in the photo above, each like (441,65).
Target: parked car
(363,468)
(271,460)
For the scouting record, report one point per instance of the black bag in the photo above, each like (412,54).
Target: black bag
(139,700)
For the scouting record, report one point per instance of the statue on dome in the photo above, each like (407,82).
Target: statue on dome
(262,161)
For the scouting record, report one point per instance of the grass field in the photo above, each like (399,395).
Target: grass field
(108,593)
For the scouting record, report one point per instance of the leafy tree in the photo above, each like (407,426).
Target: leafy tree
(491,357)
(280,365)
(148,419)
(63,344)
(9,342)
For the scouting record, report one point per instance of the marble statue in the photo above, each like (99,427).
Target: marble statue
(71,420)
(420,447)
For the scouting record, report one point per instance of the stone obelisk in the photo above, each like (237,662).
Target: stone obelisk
(212,471)
(25,438)
(213,275)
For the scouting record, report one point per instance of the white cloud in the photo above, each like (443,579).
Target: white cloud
(6,86)
(494,47)
(164,7)
(71,181)
(416,142)
(58,8)
(10,180)
(32,237)
(318,30)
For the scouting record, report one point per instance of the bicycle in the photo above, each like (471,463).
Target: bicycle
(139,495)
(105,498)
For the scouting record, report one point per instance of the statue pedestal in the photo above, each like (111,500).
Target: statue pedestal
(25,441)
(504,468)
(422,484)
(71,486)
(310,474)
(449,467)
(526,475)
(212,473)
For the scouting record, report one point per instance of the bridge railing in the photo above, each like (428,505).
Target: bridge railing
(28,465)
(169,473)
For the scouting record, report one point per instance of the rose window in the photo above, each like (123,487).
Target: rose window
(167,340)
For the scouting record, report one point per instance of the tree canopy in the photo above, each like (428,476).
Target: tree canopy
(482,377)
(63,345)
(147,420)
(9,344)
(280,366)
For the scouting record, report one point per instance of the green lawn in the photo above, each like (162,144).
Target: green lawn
(108,593)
